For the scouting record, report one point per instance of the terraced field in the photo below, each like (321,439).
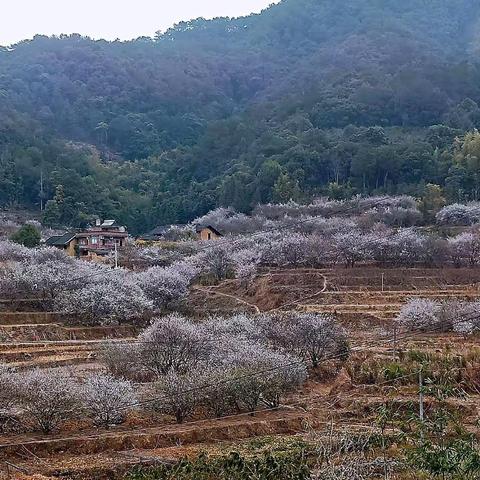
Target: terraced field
(47,339)
(364,299)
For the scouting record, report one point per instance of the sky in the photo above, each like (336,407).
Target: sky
(110,19)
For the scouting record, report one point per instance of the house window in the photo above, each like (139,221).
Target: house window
(94,240)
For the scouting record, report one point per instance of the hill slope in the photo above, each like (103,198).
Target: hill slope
(237,111)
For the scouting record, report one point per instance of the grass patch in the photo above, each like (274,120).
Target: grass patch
(264,458)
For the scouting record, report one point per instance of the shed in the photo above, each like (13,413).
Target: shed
(207,232)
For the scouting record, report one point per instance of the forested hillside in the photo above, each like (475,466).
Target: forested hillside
(309,97)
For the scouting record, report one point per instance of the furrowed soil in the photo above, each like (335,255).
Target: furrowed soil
(364,299)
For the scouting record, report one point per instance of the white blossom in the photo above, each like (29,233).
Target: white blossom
(353,247)
(430,315)
(111,300)
(173,343)
(13,252)
(47,397)
(458,214)
(260,375)
(419,314)
(314,337)
(227,220)
(242,326)
(165,287)
(464,249)
(216,262)
(106,399)
(246,263)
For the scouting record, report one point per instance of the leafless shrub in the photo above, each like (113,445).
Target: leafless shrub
(177,395)
(345,455)
(355,467)
(218,390)
(310,336)
(122,360)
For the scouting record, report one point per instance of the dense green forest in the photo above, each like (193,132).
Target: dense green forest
(310,97)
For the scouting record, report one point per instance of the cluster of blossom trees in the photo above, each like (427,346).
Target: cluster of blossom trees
(96,292)
(400,211)
(220,366)
(320,234)
(43,399)
(459,214)
(325,232)
(226,365)
(425,314)
(102,294)
(348,246)
(382,229)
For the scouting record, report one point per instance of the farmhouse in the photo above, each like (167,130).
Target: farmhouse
(207,232)
(101,239)
(93,243)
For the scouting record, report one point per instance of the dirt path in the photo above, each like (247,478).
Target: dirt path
(256,308)
(227,295)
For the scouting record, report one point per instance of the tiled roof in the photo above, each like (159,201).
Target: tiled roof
(157,231)
(60,240)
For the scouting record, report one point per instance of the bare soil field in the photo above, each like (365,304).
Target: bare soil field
(365,300)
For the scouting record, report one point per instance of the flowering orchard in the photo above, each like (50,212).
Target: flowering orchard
(224,365)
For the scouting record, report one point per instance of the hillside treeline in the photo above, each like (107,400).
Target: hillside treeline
(307,98)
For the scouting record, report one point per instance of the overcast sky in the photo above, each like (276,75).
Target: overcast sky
(110,19)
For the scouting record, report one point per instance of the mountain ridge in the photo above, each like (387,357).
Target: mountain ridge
(264,103)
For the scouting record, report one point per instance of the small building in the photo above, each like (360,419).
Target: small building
(93,243)
(207,232)
(66,242)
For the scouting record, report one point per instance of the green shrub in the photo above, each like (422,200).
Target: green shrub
(28,236)
(268,465)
